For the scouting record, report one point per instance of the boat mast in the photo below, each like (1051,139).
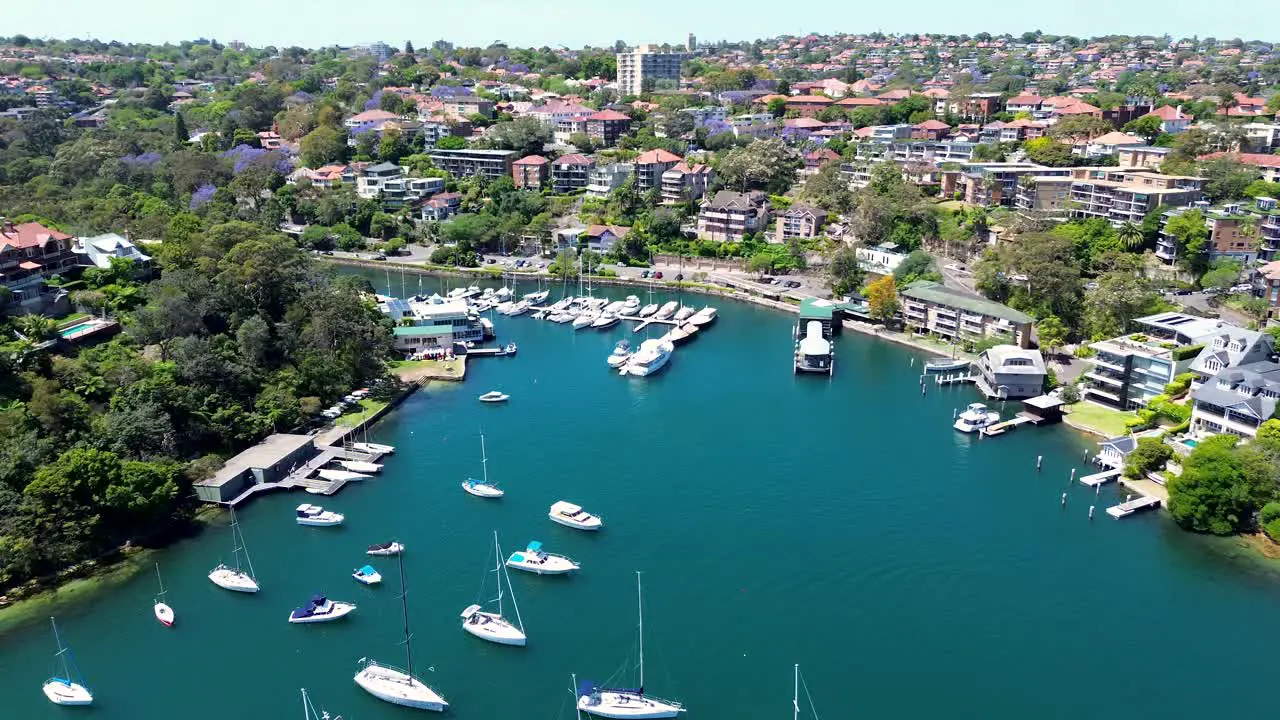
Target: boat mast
(404,609)
(640,607)
(573,690)
(795,694)
(514,605)
(306,713)
(61,654)
(484,463)
(237,536)
(162,590)
(497,569)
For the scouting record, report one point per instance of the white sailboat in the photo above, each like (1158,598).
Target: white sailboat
(235,578)
(483,488)
(684,313)
(626,702)
(67,688)
(667,310)
(163,612)
(795,696)
(396,686)
(648,310)
(492,626)
(309,710)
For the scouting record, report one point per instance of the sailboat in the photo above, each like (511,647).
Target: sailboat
(795,696)
(484,489)
(626,702)
(67,688)
(234,578)
(392,684)
(309,710)
(164,613)
(492,626)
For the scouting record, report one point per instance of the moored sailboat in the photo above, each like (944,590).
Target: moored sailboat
(483,488)
(494,626)
(392,684)
(162,611)
(236,578)
(67,688)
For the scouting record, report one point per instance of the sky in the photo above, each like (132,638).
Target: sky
(574,23)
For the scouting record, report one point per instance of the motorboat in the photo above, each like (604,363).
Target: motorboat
(235,579)
(321,609)
(680,333)
(519,308)
(504,308)
(164,613)
(648,310)
(316,516)
(493,396)
(975,417)
(536,560)
(813,351)
(373,448)
(502,294)
(361,467)
(570,515)
(343,475)
(510,349)
(621,353)
(367,575)
(537,298)
(684,313)
(67,688)
(388,548)
(945,365)
(630,306)
(652,356)
(667,310)
(584,319)
(494,626)
(615,307)
(705,316)
(561,304)
(606,320)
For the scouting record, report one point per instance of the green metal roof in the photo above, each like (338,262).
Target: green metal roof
(423,330)
(929,291)
(810,309)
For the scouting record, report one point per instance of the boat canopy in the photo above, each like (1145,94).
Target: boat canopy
(587,687)
(566,508)
(367,570)
(534,546)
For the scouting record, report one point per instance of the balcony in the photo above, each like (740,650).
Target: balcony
(1110,362)
(945,322)
(1107,379)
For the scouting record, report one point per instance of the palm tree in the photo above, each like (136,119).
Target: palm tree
(1130,235)
(36,328)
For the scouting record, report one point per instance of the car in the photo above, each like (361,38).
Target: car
(644,273)
(490,261)
(1243,287)
(520,263)
(1183,291)
(792,284)
(775,281)
(679,277)
(542,266)
(658,275)
(327,252)
(379,256)
(621,264)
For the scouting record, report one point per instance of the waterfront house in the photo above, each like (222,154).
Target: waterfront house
(730,216)
(433,323)
(571,172)
(604,179)
(928,306)
(1113,452)
(530,172)
(601,238)
(1229,347)
(649,167)
(267,462)
(1237,400)
(442,206)
(1008,371)
(30,253)
(370,183)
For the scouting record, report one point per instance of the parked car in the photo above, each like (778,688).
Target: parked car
(644,273)
(1243,287)
(658,275)
(490,261)
(679,277)
(792,284)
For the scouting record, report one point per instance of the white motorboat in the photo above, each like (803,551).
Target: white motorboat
(367,575)
(606,320)
(162,611)
(621,353)
(537,298)
(235,578)
(373,448)
(684,313)
(535,560)
(667,310)
(648,310)
(946,365)
(67,688)
(336,475)
(630,306)
(570,515)
(316,516)
(652,356)
(388,548)
(614,307)
(628,703)
(483,488)
(361,467)
(502,293)
(493,626)
(321,609)
(584,320)
(705,316)
(680,333)
(561,305)
(504,308)
(519,308)
(493,396)
(975,417)
(396,686)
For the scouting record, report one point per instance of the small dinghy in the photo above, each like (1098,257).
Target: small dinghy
(391,548)
(321,609)
(535,560)
(368,447)
(367,575)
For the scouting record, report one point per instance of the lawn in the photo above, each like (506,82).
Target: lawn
(71,318)
(354,414)
(1099,419)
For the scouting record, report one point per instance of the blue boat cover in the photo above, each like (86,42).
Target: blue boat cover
(586,687)
(366,570)
(534,546)
(517,557)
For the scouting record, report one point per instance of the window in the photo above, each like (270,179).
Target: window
(1213,365)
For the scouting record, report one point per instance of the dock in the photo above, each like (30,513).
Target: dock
(955,379)
(643,323)
(1101,478)
(1125,509)
(1001,427)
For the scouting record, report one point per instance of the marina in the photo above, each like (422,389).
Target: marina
(964,528)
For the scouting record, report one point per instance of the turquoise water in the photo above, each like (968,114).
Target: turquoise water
(69,331)
(842,524)
(1190,443)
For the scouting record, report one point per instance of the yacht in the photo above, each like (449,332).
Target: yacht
(570,515)
(606,320)
(388,548)
(234,578)
(316,516)
(975,417)
(367,575)
(537,298)
(946,365)
(631,305)
(396,686)
(684,313)
(67,688)
(652,356)
(562,304)
(373,448)
(483,488)
(162,610)
(494,626)
(519,308)
(504,308)
(321,609)
(680,333)
(535,560)
(494,396)
(705,316)
(648,310)
(614,307)
(621,353)
(584,319)
(667,310)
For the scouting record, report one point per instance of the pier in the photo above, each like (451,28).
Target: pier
(646,322)
(954,379)
(1101,478)
(1125,509)
(1039,410)
(1001,427)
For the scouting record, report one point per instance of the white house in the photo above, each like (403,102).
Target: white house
(99,249)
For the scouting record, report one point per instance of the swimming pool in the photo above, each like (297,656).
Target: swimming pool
(1190,443)
(78,328)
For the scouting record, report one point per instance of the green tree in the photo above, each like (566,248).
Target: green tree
(180,134)
(1190,236)
(1048,151)
(1147,127)
(322,146)
(527,136)
(844,273)
(1220,487)
(1149,456)
(451,142)
(767,165)
(917,265)
(1051,334)
(1130,235)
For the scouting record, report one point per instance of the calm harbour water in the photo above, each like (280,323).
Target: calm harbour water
(841,524)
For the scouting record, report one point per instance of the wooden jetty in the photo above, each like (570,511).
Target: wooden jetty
(954,379)
(1040,410)
(1125,509)
(1001,427)
(1101,478)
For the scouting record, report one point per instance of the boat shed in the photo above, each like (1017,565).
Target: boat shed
(1043,409)
(823,311)
(268,461)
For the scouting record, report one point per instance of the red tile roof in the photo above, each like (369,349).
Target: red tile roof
(532,160)
(373,116)
(28,235)
(894,95)
(1025,100)
(859,102)
(609,115)
(1255,159)
(1169,112)
(657,156)
(809,100)
(933,125)
(572,159)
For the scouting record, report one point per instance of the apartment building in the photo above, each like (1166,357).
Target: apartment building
(649,167)
(604,179)
(464,106)
(606,127)
(488,164)
(928,306)
(571,172)
(647,69)
(992,184)
(1119,195)
(799,221)
(1131,369)
(730,216)
(1233,232)
(1141,156)
(370,183)
(686,181)
(530,172)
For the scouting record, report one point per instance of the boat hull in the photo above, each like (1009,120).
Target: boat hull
(399,688)
(626,705)
(340,610)
(591,525)
(374,579)
(229,579)
(61,692)
(328,522)
(494,628)
(386,551)
(483,490)
(553,566)
(164,614)
(946,367)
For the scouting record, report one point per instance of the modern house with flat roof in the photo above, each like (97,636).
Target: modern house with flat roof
(928,306)
(268,461)
(488,164)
